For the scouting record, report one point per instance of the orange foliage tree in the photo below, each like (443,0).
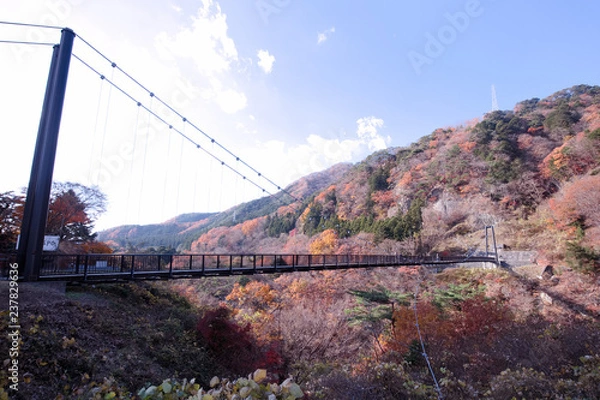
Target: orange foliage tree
(96,247)
(325,243)
(578,201)
(576,156)
(72,211)
(251,226)
(385,199)
(253,295)
(254,303)
(555,163)
(467,146)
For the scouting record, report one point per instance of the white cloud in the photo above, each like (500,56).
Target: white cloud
(231,101)
(319,153)
(323,36)
(207,43)
(367,133)
(265,61)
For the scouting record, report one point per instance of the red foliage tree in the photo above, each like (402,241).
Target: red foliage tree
(231,344)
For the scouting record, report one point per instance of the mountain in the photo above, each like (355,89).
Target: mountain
(168,235)
(179,232)
(532,172)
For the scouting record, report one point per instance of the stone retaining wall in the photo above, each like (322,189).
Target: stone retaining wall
(517,258)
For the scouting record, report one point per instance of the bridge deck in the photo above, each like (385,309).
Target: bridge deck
(127,267)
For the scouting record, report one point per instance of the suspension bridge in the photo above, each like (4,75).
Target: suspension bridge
(131,267)
(159,115)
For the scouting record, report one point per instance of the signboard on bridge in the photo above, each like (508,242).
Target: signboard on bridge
(50,242)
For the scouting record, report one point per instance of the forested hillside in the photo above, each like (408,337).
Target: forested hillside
(488,334)
(178,233)
(532,172)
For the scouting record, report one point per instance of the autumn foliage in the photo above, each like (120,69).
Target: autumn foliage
(325,243)
(336,331)
(73,209)
(228,342)
(578,201)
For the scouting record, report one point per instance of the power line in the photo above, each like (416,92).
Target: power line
(212,140)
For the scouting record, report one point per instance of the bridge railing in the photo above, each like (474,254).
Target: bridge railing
(142,266)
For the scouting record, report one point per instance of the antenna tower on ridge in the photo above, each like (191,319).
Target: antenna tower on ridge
(494,99)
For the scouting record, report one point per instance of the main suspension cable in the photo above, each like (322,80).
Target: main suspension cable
(182,117)
(182,134)
(23,24)
(27,42)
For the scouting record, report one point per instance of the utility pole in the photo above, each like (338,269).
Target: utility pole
(33,226)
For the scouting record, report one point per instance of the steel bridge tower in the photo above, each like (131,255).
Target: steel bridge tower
(35,214)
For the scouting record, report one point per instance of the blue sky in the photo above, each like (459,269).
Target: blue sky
(290,86)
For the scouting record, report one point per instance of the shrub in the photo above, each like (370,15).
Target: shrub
(522,384)
(221,389)
(253,387)
(231,345)
(382,381)
(582,259)
(594,135)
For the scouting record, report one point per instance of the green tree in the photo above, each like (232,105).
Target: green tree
(562,117)
(378,180)
(313,219)
(401,226)
(527,106)
(278,224)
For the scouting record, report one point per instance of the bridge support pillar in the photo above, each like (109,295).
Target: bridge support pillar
(31,241)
